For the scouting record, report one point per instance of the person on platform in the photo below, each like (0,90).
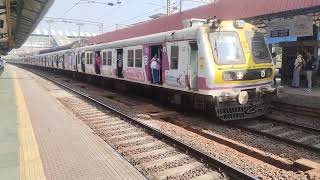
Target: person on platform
(274,61)
(155,69)
(309,67)
(296,71)
(97,63)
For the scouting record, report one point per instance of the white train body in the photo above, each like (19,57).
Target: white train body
(189,63)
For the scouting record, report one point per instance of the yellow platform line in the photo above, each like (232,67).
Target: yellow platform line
(31,167)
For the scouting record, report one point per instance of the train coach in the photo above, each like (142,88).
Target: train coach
(223,66)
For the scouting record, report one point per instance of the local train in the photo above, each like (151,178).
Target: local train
(223,66)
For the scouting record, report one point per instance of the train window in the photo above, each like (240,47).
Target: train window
(104,58)
(138,58)
(174,57)
(258,47)
(109,58)
(227,48)
(130,58)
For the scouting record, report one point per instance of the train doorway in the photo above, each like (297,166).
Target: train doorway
(97,62)
(77,61)
(193,65)
(82,61)
(120,63)
(156,54)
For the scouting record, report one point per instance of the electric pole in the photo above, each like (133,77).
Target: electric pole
(50,35)
(168,7)
(79,32)
(100,28)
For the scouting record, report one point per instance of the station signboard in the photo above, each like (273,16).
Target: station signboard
(299,26)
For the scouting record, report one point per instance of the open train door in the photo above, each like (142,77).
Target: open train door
(81,62)
(119,63)
(156,49)
(77,60)
(193,65)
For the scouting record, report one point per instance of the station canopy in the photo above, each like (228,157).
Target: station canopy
(255,11)
(18,19)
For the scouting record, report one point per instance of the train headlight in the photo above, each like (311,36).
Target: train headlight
(263,73)
(239,24)
(243,97)
(229,76)
(268,72)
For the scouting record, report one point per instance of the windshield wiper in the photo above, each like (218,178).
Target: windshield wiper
(215,48)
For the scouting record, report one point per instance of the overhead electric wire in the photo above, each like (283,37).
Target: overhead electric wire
(123,3)
(72,7)
(162,7)
(128,20)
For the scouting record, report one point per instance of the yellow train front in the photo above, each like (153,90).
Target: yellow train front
(240,72)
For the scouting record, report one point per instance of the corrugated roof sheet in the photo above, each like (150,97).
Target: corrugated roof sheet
(223,9)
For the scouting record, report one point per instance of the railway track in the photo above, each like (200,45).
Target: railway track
(295,109)
(301,136)
(156,154)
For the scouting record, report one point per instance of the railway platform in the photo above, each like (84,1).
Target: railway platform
(40,139)
(299,96)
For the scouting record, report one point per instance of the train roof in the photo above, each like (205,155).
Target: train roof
(223,9)
(187,33)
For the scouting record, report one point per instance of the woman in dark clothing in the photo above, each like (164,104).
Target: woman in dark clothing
(309,67)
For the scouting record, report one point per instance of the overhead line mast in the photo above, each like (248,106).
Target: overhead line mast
(169,7)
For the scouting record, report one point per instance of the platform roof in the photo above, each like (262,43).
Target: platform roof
(25,15)
(253,10)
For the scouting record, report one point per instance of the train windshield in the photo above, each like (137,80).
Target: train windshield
(258,47)
(227,47)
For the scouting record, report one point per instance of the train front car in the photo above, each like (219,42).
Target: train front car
(242,71)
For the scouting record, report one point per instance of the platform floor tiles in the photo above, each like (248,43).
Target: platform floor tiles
(67,148)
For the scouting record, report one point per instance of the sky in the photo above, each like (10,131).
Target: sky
(129,12)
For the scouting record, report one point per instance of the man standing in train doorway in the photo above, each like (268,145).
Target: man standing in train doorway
(97,63)
(155,68)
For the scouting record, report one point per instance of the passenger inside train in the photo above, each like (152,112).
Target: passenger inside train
(83,62)
(119,63)
(155,69)
(97,62)
(156,52)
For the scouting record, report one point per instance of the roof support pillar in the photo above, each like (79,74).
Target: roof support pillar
(8,18)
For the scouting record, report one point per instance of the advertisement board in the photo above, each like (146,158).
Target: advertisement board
(299,26)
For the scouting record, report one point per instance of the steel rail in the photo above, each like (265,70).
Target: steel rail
(232,171)
(296,109)
(244,126)
(295,126)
